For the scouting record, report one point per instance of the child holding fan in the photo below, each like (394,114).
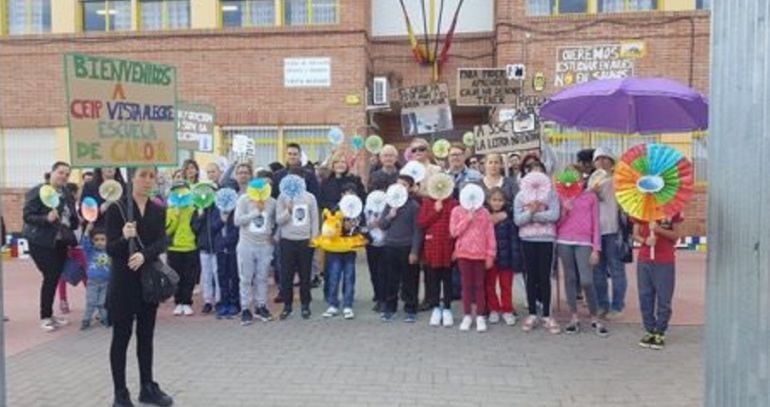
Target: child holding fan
(507,261)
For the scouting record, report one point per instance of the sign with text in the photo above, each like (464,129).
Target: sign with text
(307,72)
(583,63)
(519,134)
(121,113)
(486,87)
(425,109)
(196,126)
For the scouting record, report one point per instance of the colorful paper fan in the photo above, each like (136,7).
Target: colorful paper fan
(373,144)
(293,186)
(357,142)
(111,190)
(226,199)
(180,198)
(376,201)
(415,170)
(336,136)
(49,196)
(351,206)
(440,186)
(568,184)
(597,177)
(469,139)
(471,197)
(90,209)
(535,186)
(259,189)
(396,196)
(653,182)
(203,195)
(441,148)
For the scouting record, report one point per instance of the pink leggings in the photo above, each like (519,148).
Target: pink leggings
(473,273)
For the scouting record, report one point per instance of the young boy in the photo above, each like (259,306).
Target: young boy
(297,223)
(655,277)
(341,267)
(401,254)
(225,235)
(201,225)
(98,273)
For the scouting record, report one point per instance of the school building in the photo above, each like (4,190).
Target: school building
(280,71)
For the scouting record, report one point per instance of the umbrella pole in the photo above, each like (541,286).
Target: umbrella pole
(652,248)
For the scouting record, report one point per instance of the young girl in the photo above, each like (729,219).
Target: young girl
(507,261)
(536,211)
(578,245)
(182,252)
(475,251)
(434,218)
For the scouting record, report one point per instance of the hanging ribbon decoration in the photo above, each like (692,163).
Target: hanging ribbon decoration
(423,55)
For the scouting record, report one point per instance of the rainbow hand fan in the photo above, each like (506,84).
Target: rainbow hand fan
(568,184)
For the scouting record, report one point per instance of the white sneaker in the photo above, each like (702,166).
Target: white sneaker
(60,321)
(331,312)
(48,325)
(481,324)
(435,317)
(187,310)
(494,317)
(347,313)
(447,319)
(179,309)
(466,324)
(509,319)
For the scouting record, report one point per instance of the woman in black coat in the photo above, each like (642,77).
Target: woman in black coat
(124,301)
(49,232)
(332,187)
(91,188)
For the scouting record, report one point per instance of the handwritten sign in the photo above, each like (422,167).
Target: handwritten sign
(121,113)
(485,87)
(425,109)
(519,134)
(583,63)
(196,127)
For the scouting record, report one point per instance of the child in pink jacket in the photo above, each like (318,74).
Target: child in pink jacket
(475,250)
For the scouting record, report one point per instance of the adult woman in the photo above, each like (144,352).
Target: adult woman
(420,153)
(91,189)
(331,187)
(495,178)
(125,302)
(243,174)
(49,232)
(191,171)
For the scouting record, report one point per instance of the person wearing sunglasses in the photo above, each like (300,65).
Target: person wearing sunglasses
(420,153)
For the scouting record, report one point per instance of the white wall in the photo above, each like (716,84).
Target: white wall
(475,16)
(28,154)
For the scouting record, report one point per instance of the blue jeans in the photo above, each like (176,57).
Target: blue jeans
(96,295)
(610,266)
(341,268)
(656,289)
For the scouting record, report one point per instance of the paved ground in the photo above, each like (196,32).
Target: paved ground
(204,362)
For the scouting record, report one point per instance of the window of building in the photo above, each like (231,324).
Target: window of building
(248,13)
(703,4)
(165,14)
(305,12)
(572,6)
(25,155)
(106,15)
(269,142)
(614,6)
(553,7)
(539,7)
(28,16)
(313,140)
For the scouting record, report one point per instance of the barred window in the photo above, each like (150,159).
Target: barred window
(165,14)
(248,13)
(106,15)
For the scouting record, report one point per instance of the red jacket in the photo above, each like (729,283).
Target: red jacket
(438,247)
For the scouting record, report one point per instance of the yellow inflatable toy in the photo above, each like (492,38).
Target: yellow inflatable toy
(331,239)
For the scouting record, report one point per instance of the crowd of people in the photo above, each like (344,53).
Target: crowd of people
(474,255)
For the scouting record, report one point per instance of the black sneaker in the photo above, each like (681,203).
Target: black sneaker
(658,342)
(315,282)
(572,328)
(600,329)
(647,340)
(152,394)
(207,309)
(246,318)
(122,399)
(305,313)
(264,314)
(286,313)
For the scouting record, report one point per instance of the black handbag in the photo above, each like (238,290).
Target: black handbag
(159,282)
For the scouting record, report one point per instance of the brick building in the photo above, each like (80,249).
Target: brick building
(233,54)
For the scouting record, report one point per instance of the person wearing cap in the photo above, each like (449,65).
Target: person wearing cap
(610,263)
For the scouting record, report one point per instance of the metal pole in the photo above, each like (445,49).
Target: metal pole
(737,352)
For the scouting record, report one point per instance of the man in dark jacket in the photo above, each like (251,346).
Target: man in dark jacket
(294,160)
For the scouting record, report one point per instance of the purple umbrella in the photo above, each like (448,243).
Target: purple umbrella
(631,105)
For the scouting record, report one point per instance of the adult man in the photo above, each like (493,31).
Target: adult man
(387,174)
(294,160)
(610,263)
(462,174)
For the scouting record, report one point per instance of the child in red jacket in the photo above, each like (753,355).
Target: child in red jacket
(438,246)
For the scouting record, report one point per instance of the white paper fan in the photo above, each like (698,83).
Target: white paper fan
(351,206)
(415,170)
(376,201)
(471,197)
(396,196)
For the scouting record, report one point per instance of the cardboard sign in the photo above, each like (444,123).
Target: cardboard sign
(486,87)
(196,127)
(425,109)
(520,134)
(583,63)
(121,113)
